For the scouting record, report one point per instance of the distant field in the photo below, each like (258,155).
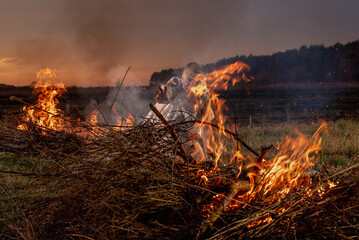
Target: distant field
(252,105)
(261,106)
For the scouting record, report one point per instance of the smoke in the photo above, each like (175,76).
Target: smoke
(153,35)
(122,101)
(116,75)
(150,35)
(96,37)
(130,100)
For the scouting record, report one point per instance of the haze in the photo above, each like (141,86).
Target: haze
(93,42)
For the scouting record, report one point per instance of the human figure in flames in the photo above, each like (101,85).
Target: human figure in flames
(177,104)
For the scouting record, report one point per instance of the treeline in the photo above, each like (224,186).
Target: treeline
(316,63)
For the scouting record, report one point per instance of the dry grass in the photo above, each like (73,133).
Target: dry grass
(340,145)
(131,184)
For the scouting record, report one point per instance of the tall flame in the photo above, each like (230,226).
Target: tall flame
(271,179)
(45,112)
(211,107)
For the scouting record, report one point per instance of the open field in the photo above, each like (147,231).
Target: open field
(131,184)
(119,186)
(252,105)
(294,104)
(340,145)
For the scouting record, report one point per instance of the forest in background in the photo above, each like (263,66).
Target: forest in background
(313,64)
(305,84)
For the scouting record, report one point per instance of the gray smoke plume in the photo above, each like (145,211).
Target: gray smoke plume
(131,100)
(96,32)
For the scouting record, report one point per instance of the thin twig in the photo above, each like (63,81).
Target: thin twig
(182,152)
(118,90)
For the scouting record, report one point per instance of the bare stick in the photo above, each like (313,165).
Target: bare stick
(118,89)
(182,151)
(14,98)
(173,97)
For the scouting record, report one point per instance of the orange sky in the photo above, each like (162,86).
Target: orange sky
(93,42)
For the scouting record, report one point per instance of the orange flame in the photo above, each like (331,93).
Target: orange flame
(265,219)
(124,121)
(273,178)
(45,112)
(95,118)
(210,106)
(289,169)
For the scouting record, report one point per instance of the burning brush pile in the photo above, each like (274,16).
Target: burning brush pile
(154,180)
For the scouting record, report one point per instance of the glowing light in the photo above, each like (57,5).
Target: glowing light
(45,112)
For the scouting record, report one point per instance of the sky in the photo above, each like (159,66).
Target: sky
(93,42)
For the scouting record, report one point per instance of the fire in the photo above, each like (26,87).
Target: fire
(271,179)
(331,184)
(211,108)
(95,118)
(262,220)
(288,170)
(46,74)
(45,112)
(127,121)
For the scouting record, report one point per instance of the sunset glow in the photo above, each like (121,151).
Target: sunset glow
(86,40)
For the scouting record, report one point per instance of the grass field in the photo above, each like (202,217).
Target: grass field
(249,105)
(299,105)
(340,145)
(18,191)
(33,202)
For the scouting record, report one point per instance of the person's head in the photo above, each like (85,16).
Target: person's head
(189,73)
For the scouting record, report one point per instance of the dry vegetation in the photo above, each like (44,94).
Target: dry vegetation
(340,145)
(130,184)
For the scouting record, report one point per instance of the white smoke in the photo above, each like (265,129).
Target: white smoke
(125,100)
(117,73)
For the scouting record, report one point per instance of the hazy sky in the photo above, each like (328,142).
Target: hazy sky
(93,42)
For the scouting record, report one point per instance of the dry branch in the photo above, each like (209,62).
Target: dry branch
(182,151)
(235,136)
(122,185)
(118,90)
